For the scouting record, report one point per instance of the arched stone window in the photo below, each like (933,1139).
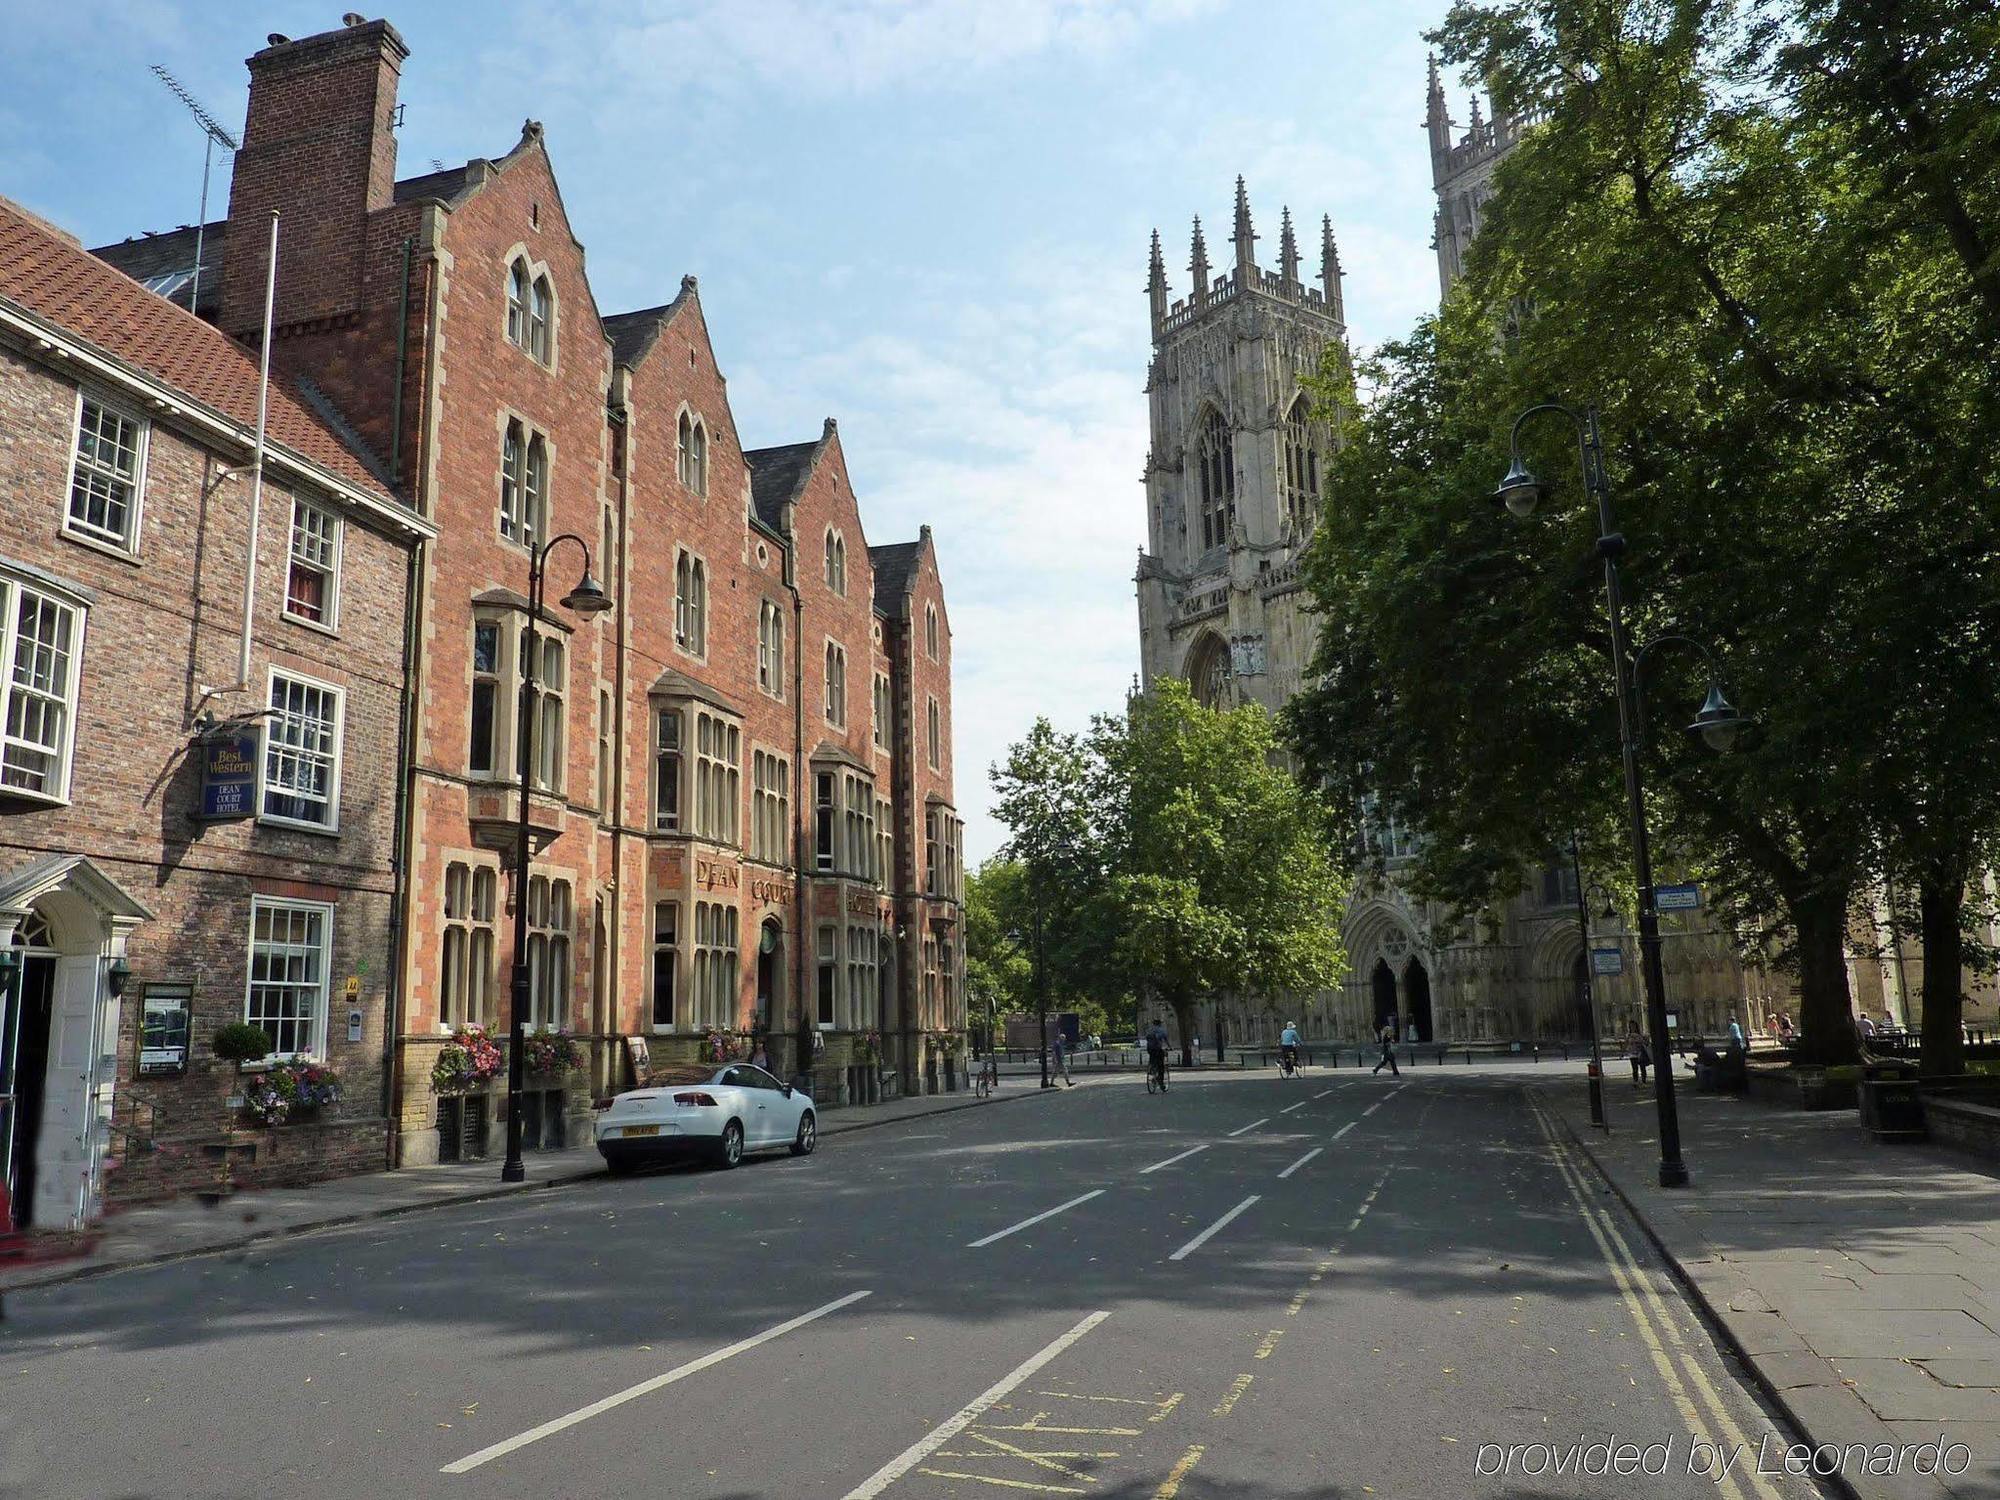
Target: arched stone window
(693,451)
(836,562)
(690,604)
(1215,458)
(1301,467)
(541,318)
(517,303)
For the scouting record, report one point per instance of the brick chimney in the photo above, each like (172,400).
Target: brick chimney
(319,145)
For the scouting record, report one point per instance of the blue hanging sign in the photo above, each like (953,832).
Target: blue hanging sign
(229,774)
(1676,898)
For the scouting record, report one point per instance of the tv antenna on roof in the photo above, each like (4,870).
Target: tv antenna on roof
(213,135)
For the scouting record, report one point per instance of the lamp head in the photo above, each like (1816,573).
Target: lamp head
(1718,723)
(587,598)
(1520,490)
(118,976)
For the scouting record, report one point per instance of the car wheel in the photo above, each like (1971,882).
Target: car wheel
(808,1136)
(730,1152)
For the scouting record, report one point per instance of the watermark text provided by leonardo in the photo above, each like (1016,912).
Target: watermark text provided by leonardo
(1598,1458)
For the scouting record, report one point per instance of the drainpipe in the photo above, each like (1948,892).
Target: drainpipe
(803,784)
(394,1007)
(392,996)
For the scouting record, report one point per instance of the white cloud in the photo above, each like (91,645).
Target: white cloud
(1010,417)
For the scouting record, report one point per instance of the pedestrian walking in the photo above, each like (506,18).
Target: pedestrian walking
(1062,1060)
(1388,1058)
(1736,1038)
(1867,1025)
(1637,1054)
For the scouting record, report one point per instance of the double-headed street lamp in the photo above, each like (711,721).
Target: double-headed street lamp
(587,598)
(1718,723)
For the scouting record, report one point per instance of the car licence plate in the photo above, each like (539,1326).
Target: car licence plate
(632,1130)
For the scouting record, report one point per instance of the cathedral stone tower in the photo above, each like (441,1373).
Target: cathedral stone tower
(1233,475)
(1462,174)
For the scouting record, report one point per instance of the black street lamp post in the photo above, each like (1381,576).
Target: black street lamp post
(1717,723)
(587,598)
(1583,895)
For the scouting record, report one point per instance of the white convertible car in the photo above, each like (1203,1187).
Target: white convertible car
(717,1112)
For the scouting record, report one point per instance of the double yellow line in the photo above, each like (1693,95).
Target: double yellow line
(1708,1419)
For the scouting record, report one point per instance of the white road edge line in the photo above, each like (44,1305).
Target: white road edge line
(1290,1107)
(1322,1094)
(1158,1165)
(1372,1108)
(1300,1162)
(1345,1128)
(645,1387)
(1251,1126)
(945,1431)
(1209,1233)
(1047,1213)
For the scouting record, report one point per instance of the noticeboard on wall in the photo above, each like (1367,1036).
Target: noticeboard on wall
(165,1020)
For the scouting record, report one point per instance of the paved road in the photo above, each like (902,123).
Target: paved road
(1335,1286)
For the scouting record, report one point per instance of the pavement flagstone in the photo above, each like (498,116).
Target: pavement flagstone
(1860,1280)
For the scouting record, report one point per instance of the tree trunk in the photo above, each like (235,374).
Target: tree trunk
(1183,1012)
(1826,1012)
(1940,905)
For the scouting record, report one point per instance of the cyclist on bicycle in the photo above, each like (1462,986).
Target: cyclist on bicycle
(1156,1051)
(1288,1049)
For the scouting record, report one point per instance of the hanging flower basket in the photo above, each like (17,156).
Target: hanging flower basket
(551,1052)
(469,1059)
(868,1047)
(287,1089)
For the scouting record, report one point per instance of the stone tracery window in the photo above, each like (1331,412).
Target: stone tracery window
(1208,672)
(1216,460)
(1301,468)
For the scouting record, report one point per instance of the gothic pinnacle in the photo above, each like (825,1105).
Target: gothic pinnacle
(1288,248)
(1198,266)
(1244,238)
(1156,285)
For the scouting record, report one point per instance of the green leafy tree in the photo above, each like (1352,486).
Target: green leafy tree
(1220,880)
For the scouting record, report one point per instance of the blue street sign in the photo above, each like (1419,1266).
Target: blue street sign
(1607,961)
(1676,898)
(229,775)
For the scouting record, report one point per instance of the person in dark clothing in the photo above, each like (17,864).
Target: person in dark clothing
(1388,1058)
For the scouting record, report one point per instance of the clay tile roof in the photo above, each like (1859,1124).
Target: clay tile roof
(776,476)
(893,565)
(55,279)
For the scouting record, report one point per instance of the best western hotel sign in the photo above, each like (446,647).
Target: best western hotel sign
(229,774)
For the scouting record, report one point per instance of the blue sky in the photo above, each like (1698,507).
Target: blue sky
(927,218)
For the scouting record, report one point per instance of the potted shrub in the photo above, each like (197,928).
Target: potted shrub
(237,1043)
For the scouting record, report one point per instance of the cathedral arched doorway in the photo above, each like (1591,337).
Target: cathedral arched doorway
(1383,985)
(1417,999)
(1208,670)
(1582,1022)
